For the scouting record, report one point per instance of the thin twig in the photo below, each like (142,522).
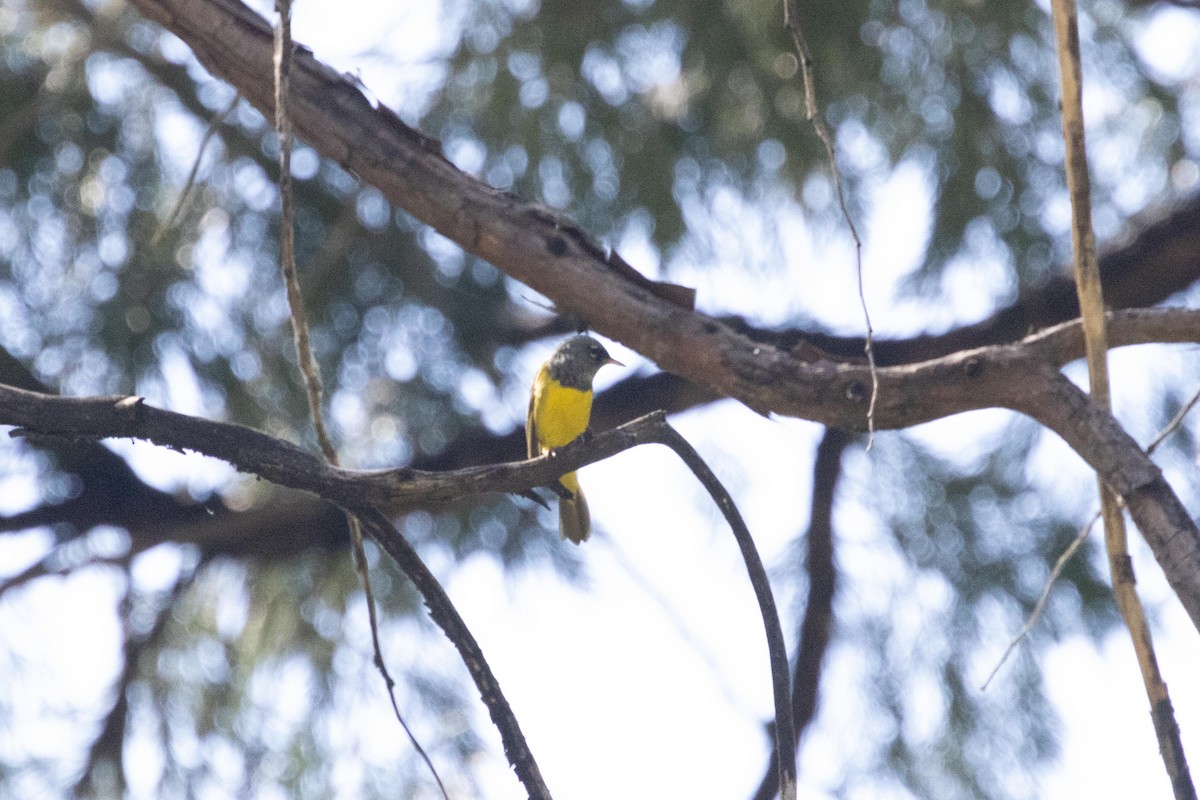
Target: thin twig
(305,359)
(1175,422)
(1040,606)
(1076,543)
(1091,304)
(443,612)
(791,21)
(213,125)
(309,370)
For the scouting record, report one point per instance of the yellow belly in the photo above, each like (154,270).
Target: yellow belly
(557,416)
(560,414)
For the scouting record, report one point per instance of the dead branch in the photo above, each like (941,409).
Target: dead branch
(366,494)
(1022,377)
(785,734)
(818,611)
(306,361)
(1091,304)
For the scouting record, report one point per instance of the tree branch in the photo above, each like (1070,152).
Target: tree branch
(1091,303)
(1022,377)
(531,243)
(443,612)
(818,611)
(785,735)
(111,494)
(366,493)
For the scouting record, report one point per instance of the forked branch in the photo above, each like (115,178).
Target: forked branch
(372,495)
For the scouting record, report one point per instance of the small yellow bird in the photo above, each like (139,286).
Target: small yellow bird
(560,406)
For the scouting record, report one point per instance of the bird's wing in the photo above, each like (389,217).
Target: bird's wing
(531,439)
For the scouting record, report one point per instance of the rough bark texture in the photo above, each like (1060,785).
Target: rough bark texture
(552,255)
(531,243)
(1022,377)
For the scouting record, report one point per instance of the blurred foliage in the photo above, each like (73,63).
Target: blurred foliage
(647,107)
(977,541)
(636,117)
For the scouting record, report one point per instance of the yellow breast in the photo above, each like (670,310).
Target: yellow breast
(559,414)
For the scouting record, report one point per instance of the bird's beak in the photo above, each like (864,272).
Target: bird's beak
(613,361)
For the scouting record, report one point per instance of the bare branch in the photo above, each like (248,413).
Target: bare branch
(1022,377)
(1040,605)
(785,734)
(1077,542)
(822,581)
(186,191)
(305,360)
(447,617)
(539,247)
(364,493)
(1091,303)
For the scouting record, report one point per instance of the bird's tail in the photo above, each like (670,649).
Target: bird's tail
(574,519)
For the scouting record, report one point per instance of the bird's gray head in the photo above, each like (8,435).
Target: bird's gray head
(577,360)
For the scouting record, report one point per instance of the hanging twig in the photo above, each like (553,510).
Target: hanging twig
(443,612)
(1076,543)
(305,360)
(791,21)
(1040,605)
(1091,304)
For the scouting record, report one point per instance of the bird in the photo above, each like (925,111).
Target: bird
(560,407)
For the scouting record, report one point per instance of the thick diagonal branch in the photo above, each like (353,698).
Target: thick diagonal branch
(1023,377)
(554,256)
